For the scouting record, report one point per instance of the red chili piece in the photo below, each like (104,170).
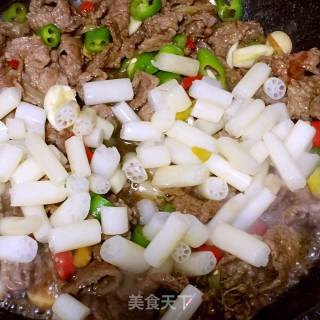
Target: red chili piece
(191,44)
(14,64)
(89,153)
(316,139)
(87,6)
(187,82)
(216,251)
(64,264)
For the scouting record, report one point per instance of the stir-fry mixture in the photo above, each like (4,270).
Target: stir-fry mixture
(153,149)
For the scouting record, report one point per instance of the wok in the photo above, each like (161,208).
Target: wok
(301,20)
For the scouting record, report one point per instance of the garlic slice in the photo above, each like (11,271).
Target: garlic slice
(247,56)
(232,49)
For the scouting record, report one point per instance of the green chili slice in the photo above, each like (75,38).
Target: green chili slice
(143,9)
(164,76)
(231,10)
(315,150)
(50,35)
(17,12)
(97,39)
(168,207)
(138,237)
(180,40)
(142,62)
(208,59)
(171,48)
(96,203)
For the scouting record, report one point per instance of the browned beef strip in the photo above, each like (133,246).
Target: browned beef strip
(109,57)
(303,209)
(198,20)
(159,29)
(70,58)
(153,280)
(226,34)
(290,67)
(43,12)
(8,76)
(100,307)
(128,47)
(186,201)
(146,112)
(30,93)
(2,41)
(92,18)
(57,138)
(142,83)
(117,21)
(173,4)
(44,79)
(32,50)
(38,72)
(244,289)
(97,278)
(233,75)
(16,276)
(26,276)
(119,14)
(14,30)
(303,98)
(110,307)
(150,282)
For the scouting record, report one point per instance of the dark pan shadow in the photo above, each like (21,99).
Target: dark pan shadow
(299,18)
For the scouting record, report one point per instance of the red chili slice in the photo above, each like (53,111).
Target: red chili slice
(191,44)
(87,6)
(316,139)
(187,82)
(64,264)
(14,64)
(216,251)
(89,153)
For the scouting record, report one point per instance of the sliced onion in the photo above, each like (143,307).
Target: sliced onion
(134,25)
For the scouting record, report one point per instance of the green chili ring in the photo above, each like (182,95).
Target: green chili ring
(97,39)
(50,35)
(232,11)
(142,9)
(17,13)
(208,59)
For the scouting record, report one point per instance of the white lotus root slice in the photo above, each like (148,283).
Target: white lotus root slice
(275,88)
